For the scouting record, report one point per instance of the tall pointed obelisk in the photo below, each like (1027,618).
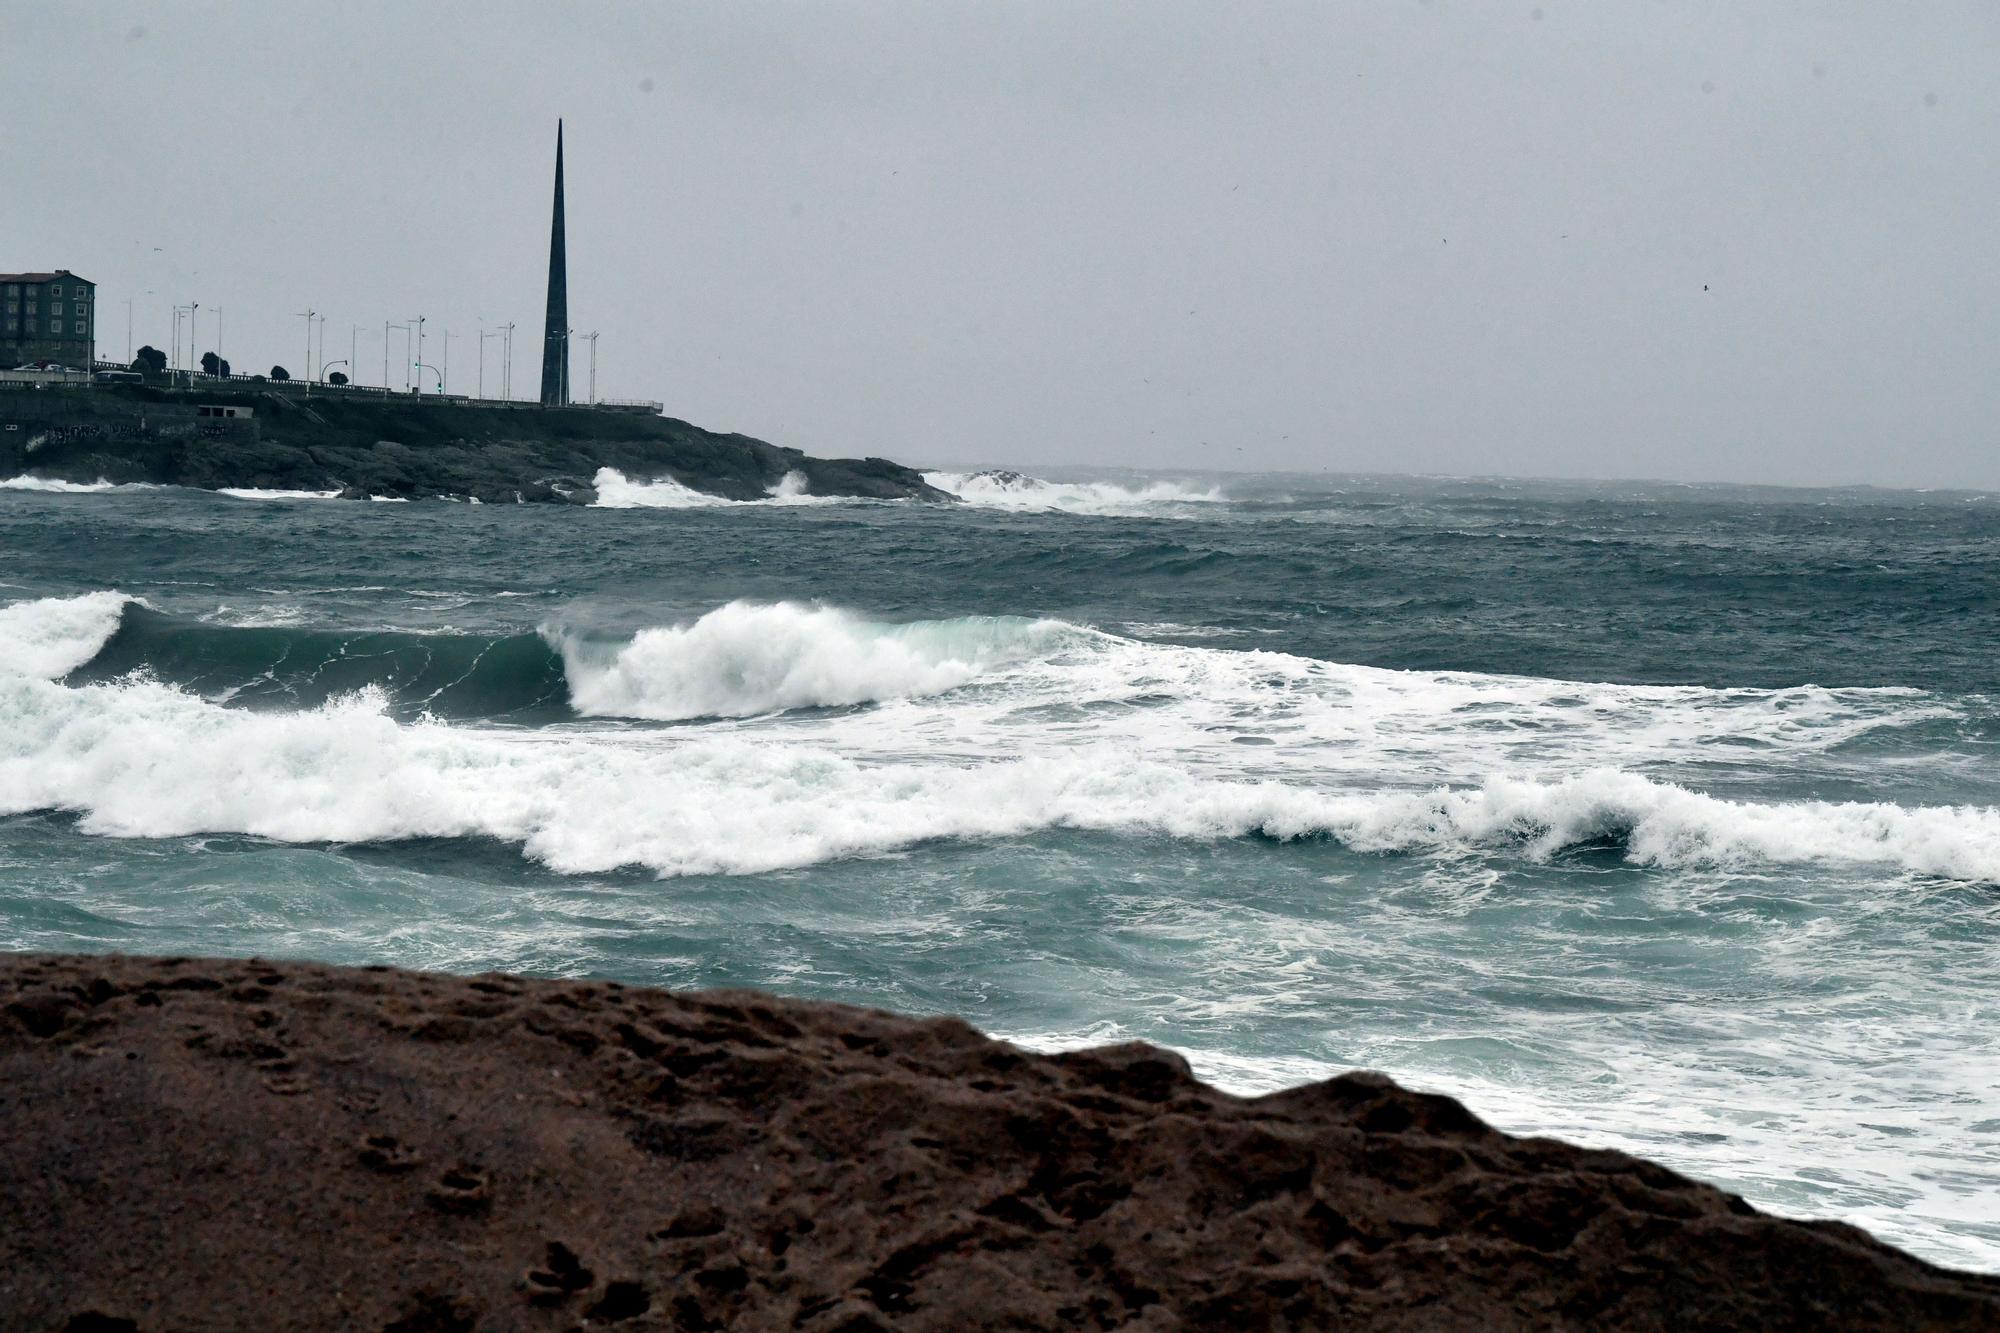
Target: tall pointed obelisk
(555,333)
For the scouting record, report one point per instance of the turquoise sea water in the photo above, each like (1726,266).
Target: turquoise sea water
(1660,817)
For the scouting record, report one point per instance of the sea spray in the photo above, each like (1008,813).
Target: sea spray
(743,659)
(138,758)
(616,491)
(53,636)
(1016,491)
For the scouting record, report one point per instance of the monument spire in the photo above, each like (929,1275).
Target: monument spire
(555,331)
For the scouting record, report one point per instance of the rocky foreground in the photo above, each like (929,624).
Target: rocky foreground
(241,1145)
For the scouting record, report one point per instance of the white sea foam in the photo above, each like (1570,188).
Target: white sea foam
(100,487)
(1803,1136)
(253,493)
(1266,714)
(51,486)
(744,659)
(141,758)
(265,615)
(616,491)
(53,636)
(982,727)
(1012,490)
(791,489)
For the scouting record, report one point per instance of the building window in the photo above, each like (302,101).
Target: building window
(56,290)
(13,324)
(31,324)
(13,289)
(56,309)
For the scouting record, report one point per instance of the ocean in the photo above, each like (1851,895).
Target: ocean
(1659,817)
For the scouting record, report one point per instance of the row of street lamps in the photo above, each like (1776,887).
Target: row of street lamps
(591,338)
(413,345)
(174,359)
(413,329)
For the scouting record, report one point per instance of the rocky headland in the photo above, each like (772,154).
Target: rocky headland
(245,1145)
(402,448)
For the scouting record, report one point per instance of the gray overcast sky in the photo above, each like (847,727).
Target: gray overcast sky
(1750,240)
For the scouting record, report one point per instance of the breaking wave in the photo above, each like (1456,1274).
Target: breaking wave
(616,491)
(744,659)
(142,759)
(1014,490)
(272,661)
(56,635)
(1039,680)
(147,725)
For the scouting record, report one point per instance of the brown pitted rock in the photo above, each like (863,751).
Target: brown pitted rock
(446,1153)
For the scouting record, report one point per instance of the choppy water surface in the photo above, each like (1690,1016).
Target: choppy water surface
(1659,817)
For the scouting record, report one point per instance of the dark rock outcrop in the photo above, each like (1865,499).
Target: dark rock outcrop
(400,448)
(243,1145)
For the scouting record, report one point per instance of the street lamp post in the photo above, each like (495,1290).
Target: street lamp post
(308,316)
(385,353)
(483,336)
(325,366)
(507,380)
(592,337)
(444,375)
(418,359)
(177,366)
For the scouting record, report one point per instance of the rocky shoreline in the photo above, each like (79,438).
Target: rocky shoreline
(404,449)
(222,1145)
